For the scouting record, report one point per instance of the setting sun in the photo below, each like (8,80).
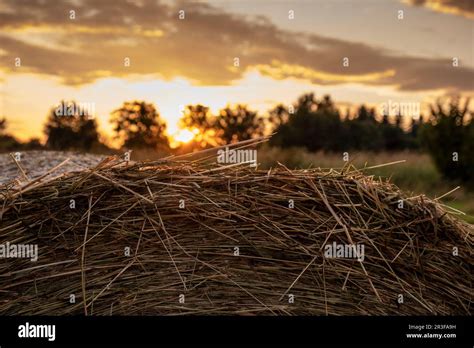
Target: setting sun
(185,135)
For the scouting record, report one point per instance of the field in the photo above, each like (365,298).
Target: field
(417,174)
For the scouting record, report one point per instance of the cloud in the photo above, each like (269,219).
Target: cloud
(457,7)
(201,48)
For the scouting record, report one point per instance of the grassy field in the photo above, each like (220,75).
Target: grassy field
(416,175)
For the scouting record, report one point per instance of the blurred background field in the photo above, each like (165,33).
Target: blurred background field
(417,175)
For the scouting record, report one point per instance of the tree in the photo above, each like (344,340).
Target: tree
(413,135)
(449,138)
(233,124)
(7,141)
(279,115)
(315,125)
(238,124)
(363,132)
(3,124)
(198,117)
(69,126)
(138,125)
(366,115)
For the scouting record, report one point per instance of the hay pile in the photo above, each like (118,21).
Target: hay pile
(182,222)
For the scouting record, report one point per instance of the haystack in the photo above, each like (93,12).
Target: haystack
(180,236)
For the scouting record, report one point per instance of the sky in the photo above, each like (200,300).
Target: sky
(176,58)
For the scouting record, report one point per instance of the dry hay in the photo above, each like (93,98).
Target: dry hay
(190,250)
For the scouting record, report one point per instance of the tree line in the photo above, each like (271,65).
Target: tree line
(447,133)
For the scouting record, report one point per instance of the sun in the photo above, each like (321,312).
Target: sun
(184,136)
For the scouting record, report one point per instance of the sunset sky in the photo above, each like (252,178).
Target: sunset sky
(175,62)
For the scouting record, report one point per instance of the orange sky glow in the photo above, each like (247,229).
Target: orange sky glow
(47,56)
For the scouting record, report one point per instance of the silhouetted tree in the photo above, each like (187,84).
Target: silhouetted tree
(73,129)
(363,132)
(366,115)
(3,124)
(237,124)
(199,117)
(233,124)
(317,125)
(279,115)
(314,125)
(413,135)
(399,121)
(7,141)
(449,138)
(138,125)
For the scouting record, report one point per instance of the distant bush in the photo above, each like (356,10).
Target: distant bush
(9,143)
(32,144)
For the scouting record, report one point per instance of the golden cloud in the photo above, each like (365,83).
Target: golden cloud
(200,48)
(456,7)
(279,70)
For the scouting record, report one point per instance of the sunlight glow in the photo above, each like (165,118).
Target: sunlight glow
(185,135)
